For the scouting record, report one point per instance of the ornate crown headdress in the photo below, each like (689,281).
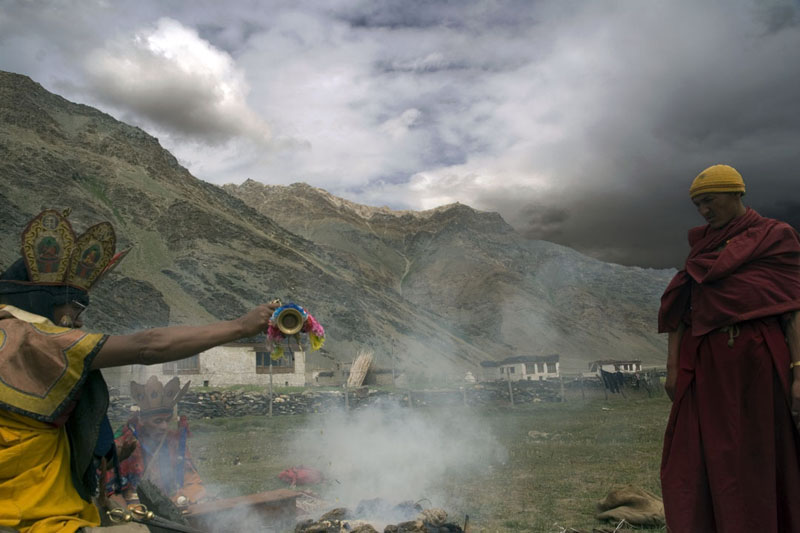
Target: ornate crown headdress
(54,255)
(154,398)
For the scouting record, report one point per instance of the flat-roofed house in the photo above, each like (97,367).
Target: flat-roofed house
(613,366)
(236,363)
(522,368)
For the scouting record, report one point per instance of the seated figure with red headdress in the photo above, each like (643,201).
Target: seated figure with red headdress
(159,453)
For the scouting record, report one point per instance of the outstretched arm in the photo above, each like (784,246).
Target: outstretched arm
(162,345)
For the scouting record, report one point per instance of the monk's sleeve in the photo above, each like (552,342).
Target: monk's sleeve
(674,303)
(43,366)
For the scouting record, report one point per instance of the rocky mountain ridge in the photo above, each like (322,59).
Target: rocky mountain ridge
(505,293)
(441,289)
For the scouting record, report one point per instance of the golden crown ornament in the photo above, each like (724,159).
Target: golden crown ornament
(53,254)
(155,397)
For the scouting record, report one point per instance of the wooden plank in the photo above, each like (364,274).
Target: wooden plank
(358,372)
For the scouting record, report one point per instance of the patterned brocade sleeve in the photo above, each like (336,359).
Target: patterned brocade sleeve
(42,366)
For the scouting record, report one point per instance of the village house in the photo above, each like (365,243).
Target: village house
(224,366)
(522,368)
(613,366)
(246,364)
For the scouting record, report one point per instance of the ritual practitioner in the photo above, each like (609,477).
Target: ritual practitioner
(731,448)
(53,400)
(160,454)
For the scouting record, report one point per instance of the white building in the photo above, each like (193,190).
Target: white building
(522,368)
(223,366)
(626,367)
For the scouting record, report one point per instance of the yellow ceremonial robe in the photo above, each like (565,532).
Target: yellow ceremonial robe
(42,367)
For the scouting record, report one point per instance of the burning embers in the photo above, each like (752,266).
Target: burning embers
(408,517)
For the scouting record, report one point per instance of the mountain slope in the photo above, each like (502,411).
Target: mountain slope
(506,294)
(441,289)
(199,253)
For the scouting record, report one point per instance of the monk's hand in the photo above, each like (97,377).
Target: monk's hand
(796,397)
(126,449)
(671,382)
(257,320)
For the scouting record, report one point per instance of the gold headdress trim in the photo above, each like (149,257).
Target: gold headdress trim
(54,255)
(155,398)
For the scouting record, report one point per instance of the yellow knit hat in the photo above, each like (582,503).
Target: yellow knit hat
(719,178)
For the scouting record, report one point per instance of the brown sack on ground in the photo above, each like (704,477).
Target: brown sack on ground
(632,504)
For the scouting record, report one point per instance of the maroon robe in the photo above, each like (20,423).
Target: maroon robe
(731,459)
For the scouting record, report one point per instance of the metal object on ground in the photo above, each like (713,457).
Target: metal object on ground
(138,513)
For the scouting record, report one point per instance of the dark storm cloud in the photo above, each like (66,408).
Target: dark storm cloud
(726,95)
(788,211)
(542,221)
(580,122)
(398,14)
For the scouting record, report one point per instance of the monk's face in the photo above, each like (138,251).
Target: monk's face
(719,208)
(69,314)
(155,426)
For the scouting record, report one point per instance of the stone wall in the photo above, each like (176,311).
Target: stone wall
(211,404)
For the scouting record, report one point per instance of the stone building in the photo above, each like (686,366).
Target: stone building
(522,368)
(223,366)
(626,367)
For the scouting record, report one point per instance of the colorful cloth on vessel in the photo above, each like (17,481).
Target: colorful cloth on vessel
(42,371)
(172,470)
(310,326)
(731,449)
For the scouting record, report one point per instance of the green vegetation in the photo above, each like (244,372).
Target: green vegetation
(562,458)
(96,188)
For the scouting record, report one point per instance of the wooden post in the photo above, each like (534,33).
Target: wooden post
(394,386)
(583,393)
(561,379)
(510,391)
(270,384)
(347,387)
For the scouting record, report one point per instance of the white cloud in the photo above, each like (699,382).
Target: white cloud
(169,77)
(538,110)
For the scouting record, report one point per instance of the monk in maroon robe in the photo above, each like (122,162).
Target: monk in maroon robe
(731,459)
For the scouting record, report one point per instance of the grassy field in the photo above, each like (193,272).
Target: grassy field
(544,468)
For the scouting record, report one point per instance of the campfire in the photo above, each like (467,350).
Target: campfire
(369,515)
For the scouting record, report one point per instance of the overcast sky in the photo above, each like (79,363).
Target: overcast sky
(581,122)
